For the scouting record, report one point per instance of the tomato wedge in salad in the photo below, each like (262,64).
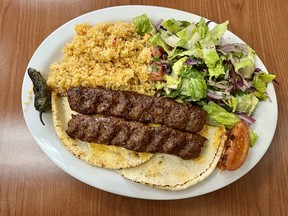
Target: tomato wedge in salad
(237,147)
(156,52)
(155,71)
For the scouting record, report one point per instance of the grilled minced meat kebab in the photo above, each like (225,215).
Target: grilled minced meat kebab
(137,107)
(135,136)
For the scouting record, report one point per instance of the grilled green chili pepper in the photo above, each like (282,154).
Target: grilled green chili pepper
(42,99)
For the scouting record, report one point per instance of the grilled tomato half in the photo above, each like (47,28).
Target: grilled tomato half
(236,148)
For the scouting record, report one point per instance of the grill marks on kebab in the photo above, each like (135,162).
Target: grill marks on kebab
(123,124)
(137,107)
(135,136)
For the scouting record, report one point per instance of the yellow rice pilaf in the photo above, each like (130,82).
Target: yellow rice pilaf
(109,54)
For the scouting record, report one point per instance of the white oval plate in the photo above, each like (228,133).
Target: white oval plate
(108,180)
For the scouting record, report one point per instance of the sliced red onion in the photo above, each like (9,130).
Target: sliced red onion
(234,81)
(246,118)
(241,86)
(217,97)
(222,42)
(268,97)
(257,70)
(219,85)
(218,94)
(158,24)
(234,47)
(229,88)
(208,22)
(191,61)
(244,81)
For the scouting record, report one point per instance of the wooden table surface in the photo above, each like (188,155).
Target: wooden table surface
(31,184)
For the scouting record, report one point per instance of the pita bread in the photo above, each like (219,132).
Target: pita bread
(169,172)
(99,155)
(162,171)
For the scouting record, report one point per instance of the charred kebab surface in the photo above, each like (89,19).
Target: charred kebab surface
(137,107)
(135,136)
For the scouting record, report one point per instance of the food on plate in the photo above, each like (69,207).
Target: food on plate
(109,54)
(111,157)
(150,87)
(168,172)
(236,148)
(135,136)
(199,66)
(137,107)
(42,94)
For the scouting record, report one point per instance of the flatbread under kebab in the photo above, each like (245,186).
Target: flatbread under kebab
(161,171)
(169,172)
(99,155)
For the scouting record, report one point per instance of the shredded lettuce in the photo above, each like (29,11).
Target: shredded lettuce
(218,31)
(195,52)
(211,58)
(202,28)
(246,103)
(232,103)
(171,82)
(194,88)
(207,43)
(187,33)
(143,25)
(198,66)
(246,64)
(218,115)
(157,40)
(253,137)
(178,66)
(185,81)
(260,82)
(175,26)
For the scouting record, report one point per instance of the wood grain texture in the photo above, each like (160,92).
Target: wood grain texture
(30,184)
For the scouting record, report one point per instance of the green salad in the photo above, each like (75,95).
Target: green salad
(192,63)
